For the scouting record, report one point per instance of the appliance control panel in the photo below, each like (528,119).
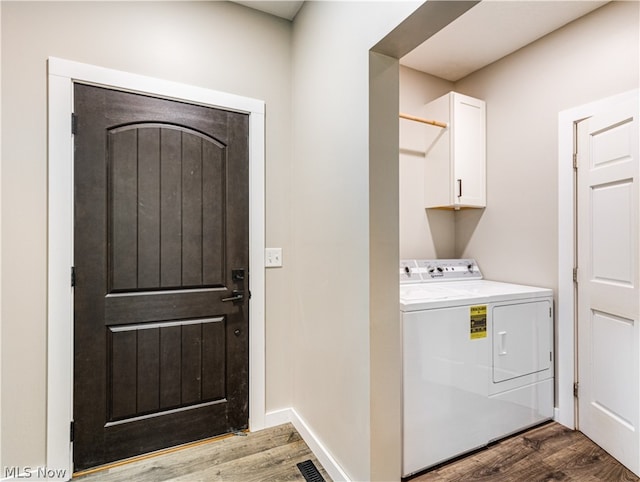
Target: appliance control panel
(425,270)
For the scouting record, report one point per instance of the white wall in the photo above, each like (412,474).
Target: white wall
(217,45)
(515,237)
(332,392)
(384,324)
(1,465)
(424,234)
(594,57)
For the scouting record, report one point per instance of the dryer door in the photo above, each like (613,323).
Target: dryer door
(522,336)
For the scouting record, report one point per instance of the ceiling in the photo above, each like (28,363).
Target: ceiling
(489,31)
(284,8)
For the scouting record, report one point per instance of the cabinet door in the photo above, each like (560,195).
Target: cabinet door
(455,156)
(438,190)
(468,148)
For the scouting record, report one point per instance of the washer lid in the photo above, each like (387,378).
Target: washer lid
(425,296)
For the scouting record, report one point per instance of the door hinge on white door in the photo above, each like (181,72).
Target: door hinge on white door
(73,276)
(575,389)
(74,124)
(575,275)
(71,431)
(575,146)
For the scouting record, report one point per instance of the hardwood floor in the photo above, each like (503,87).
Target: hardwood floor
(545,453)
(270,454)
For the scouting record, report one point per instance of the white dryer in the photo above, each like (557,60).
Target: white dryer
(477,359)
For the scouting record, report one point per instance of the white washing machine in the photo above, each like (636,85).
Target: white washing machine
(477,359)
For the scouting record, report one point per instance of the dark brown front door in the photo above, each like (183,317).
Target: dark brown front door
(161,268)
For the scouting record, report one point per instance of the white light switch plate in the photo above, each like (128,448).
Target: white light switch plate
(273,257)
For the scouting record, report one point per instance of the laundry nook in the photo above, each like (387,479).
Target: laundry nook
(477,359)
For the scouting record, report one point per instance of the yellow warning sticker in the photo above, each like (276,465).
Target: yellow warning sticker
(478,322)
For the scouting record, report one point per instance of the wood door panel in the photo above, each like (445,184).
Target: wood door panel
(193,423)
(161,173)
(191,364)
(148,208)
(123,375)
(213,209)
(170,370)
(124,242)
(171,209)
(213,357)
(148,370)
(163,366)
(127,308)
(161,220)
(191,212)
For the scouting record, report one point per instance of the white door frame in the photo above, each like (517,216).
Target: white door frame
(565,311)
(61,76)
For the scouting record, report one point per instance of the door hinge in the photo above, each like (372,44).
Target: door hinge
(575,275)
(74,124)
(575,160)
(73,276)
(71,431)
(575,389)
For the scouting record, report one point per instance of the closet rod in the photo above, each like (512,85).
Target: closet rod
(424,121)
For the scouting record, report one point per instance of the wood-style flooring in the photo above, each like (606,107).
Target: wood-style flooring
(545,453)
(267,455)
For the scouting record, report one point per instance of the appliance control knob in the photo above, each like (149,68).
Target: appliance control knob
(470,267)
(439,269)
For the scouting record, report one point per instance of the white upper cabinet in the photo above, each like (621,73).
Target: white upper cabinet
(455,165)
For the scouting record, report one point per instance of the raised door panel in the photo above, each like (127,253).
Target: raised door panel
(167,208)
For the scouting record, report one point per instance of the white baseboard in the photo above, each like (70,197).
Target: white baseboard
(558,416)
(329,464)
(277,417)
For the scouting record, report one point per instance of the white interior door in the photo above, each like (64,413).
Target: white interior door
(608,294)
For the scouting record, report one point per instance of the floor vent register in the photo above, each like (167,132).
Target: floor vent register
(310,472)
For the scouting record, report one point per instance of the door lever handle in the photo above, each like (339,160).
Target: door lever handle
(236,295)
